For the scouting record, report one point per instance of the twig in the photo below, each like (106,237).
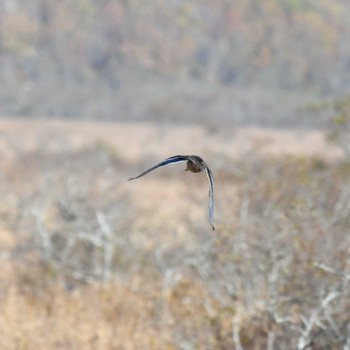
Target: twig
(45,241)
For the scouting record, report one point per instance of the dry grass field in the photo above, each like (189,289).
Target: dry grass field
(91,261)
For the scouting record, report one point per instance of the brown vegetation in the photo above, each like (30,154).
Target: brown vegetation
(232,59)
(91,261)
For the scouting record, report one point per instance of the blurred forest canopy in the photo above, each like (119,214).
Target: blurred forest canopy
(171,59)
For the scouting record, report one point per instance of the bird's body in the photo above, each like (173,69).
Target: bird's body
(195,164)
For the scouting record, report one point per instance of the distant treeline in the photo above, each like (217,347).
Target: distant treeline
(57,56)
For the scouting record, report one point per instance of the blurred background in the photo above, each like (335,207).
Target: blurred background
(190,61)
(95,92)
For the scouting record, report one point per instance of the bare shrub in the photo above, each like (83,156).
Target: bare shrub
(280,279)
(274,275)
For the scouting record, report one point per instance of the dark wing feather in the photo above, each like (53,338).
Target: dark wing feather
(211,196)
(170,160)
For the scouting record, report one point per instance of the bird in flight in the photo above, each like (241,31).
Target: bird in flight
(194,164)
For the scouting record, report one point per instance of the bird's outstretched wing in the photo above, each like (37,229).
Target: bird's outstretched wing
(196,159)
(170,160)
(211,196)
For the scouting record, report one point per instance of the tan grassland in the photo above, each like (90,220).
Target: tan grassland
(170,283)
